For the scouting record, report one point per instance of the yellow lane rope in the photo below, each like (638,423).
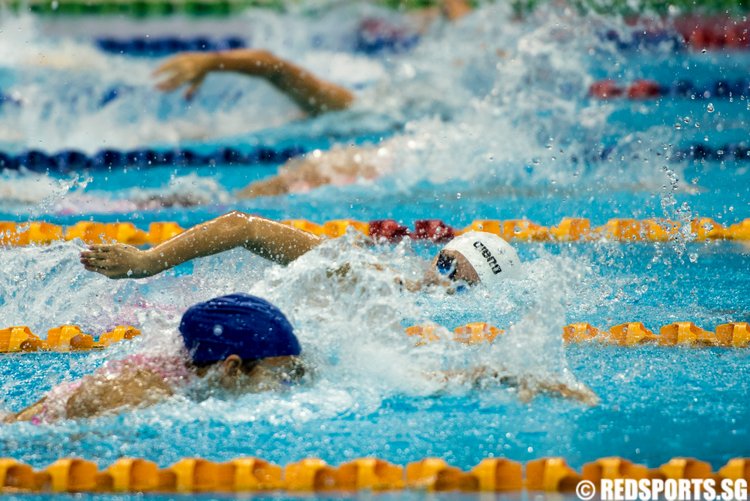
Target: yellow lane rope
(249,474)
(67,338)
(568,230)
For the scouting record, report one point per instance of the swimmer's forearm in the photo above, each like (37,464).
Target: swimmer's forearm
(212,237)
(309,92)
(269,239)
(582,393)
(455,9)
(278,242)
(29,413)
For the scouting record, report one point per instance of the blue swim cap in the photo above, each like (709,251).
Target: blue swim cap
(237,324)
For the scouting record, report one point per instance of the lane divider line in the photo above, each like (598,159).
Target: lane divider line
(14,234)
(248,474)
(67,338)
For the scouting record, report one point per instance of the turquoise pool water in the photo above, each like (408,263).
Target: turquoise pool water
(479,134)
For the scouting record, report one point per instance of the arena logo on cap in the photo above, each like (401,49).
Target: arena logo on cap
(488,256)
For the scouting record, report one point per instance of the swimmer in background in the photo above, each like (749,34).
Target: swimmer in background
(339,166)
(311,94)
(232,344)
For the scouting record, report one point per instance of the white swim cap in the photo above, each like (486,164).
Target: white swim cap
(492,257)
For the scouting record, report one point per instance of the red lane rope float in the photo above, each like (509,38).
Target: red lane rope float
(714,32)
(640,90)
(63,338)
(191,475)
(389,230)
(696,33)
(731,335)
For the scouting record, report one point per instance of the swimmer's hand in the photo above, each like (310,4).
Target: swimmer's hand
(430,279)
(580,392)
(527,388)
(188,68)
(118,261)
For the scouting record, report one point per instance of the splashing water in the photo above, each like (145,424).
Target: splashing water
(492,109)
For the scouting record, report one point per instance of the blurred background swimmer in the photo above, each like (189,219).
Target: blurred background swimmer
(339,166)
(471,258)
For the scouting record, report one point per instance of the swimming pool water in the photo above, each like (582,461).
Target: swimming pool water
(513,151)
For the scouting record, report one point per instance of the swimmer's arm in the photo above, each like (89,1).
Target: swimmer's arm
(304,174)
(455,9)
(312,94)
(269,239)
(99,394)
(430,279)
(132,387)
(527,389)
(452,10)
(29,413)
(296,175)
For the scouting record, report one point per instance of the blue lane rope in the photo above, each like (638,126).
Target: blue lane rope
(72,160)
(162,46)
(639,40)
(722,89)
(366,43)
(739,152)
(681,89)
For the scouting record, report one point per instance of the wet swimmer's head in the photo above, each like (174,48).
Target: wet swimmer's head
(478,256)
(239,334)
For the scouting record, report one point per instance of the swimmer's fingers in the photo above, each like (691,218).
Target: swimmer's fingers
(98,262)
(172,83)
(194,86)
(186,69)
(95,269)
(93,253)
(587,396)
(89,256)
(100,247)
(167,67)
(95,261)
(171,65)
